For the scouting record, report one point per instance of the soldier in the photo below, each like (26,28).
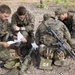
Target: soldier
(23,20)
(5,12)
(4,26)
(68,19)
(45,40)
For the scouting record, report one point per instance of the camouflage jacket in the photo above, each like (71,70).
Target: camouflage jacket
(28,22)
(4,27)
(70,22)
(60,29)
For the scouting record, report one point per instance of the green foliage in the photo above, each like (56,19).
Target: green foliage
(42,6)
(73,5)
(64,2)
(57,1)
(67,3)
(46,0)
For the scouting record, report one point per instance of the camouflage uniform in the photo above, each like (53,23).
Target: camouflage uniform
(69,21)
(4,28)
(5,53)
(45,40)
(28,23)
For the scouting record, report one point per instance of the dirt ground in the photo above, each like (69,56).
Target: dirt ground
(38,13)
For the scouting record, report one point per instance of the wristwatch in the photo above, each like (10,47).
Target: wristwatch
(20,28)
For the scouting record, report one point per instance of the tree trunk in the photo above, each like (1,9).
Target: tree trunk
(41,1)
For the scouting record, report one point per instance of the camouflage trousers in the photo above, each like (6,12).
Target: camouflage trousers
(9,58)
(4,54)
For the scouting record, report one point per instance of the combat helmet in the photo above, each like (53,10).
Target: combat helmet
(47,16)
(60,11)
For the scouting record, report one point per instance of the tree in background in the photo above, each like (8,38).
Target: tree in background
(57,1)
(42,5)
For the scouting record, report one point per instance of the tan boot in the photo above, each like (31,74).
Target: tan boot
(61,63)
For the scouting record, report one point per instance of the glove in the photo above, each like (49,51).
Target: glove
(34,45)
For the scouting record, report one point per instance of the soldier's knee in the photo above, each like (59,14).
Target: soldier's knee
(59,55)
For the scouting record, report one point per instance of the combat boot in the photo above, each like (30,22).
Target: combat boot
(61,63)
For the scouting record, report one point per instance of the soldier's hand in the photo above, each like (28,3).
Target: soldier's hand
(23,40)
(32,30)
(14,37)
(5,44)
(22,28)
(16,28)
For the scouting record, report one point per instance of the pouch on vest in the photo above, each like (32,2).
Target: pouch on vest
(45,63)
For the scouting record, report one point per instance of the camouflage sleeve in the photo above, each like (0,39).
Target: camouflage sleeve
(9,26)
(30,26)
(73,26)
(67,35)
(39,33)
(37,36)
(13,19)
(6,26)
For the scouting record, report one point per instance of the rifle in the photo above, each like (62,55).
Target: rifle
(27,59)
(60,43)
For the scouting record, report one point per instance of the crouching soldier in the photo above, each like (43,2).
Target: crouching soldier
(49,53)
(7,59)
(23,21)
(68,19)
(5,12)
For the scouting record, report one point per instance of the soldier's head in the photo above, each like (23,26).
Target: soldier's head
(5,12)
(61,14)
(47,16)
(21,12)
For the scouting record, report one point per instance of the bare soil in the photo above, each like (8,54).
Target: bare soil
(38,13)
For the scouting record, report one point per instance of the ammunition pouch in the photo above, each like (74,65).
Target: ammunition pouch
(45,63)
(45,58)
